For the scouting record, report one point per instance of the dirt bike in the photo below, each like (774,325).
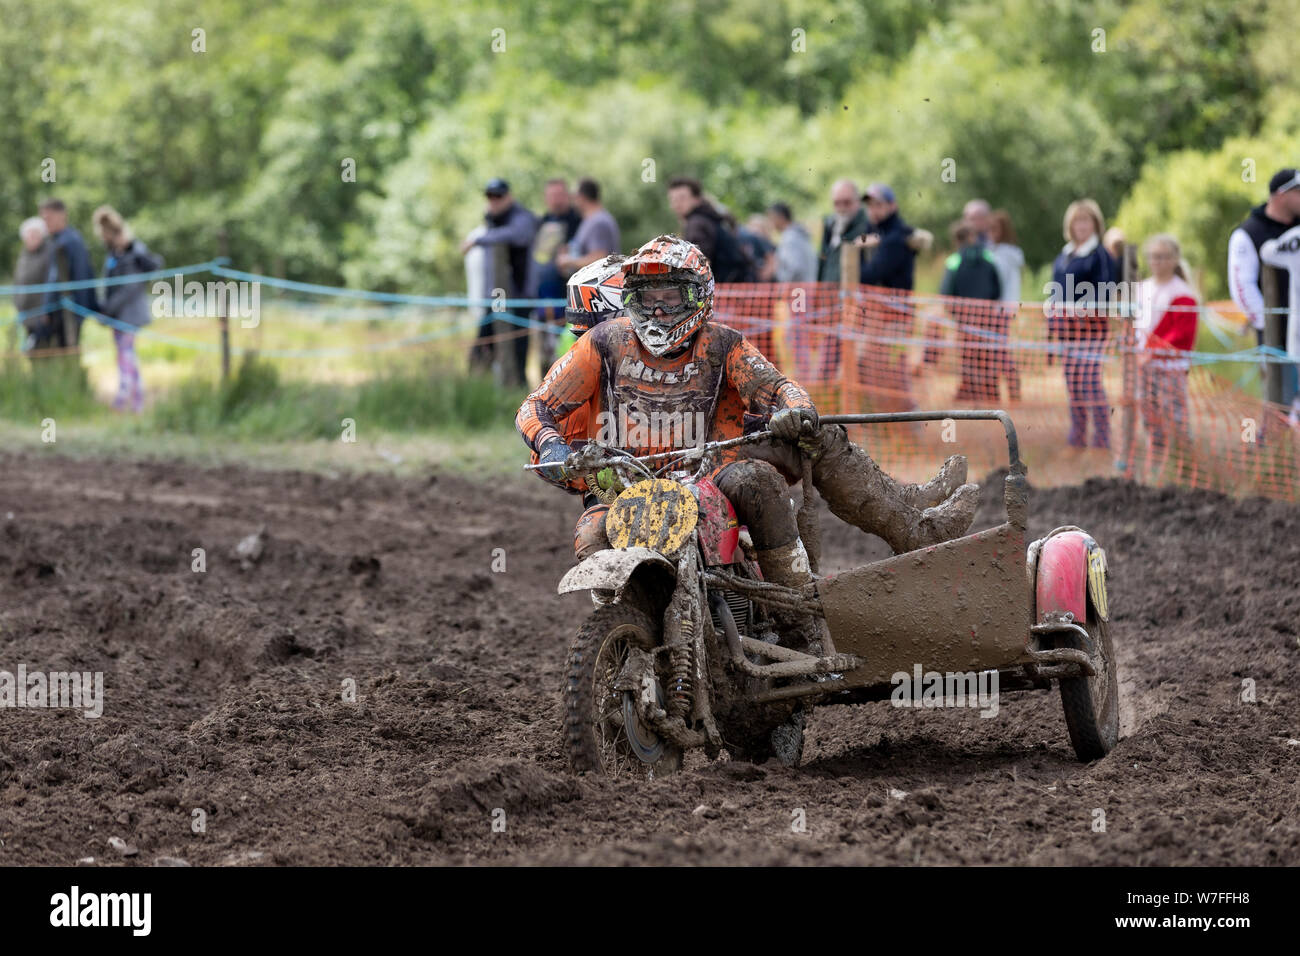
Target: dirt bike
(683,652)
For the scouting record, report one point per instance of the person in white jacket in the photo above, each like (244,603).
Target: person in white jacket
(1284,253)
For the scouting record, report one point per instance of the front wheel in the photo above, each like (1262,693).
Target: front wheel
(1092,703)
(602,729)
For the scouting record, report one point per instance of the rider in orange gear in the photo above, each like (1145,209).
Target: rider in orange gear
(665,377)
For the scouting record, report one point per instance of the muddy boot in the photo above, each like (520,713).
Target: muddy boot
(939,488)
(788,566)
(859,492)
(948,520)
(832,444)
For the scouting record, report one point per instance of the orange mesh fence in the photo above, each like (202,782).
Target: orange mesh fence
(1086,398)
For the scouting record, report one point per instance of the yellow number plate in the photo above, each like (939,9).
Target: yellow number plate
(658,514)
(1097,582)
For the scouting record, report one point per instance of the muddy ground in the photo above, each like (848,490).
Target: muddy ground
(224,691)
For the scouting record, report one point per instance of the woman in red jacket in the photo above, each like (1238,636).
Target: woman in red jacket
(1166,326)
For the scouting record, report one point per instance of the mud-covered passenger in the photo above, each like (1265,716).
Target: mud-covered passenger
(664,376)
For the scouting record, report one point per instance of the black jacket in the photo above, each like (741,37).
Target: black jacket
(971,273)
(1261,227)
(701,227)
(893,263)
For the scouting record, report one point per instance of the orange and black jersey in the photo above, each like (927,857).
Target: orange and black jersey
(611,388)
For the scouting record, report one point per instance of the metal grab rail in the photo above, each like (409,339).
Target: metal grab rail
(875,418)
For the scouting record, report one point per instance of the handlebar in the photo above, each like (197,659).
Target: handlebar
(692,453)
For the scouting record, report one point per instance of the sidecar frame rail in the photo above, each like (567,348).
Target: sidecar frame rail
(956,414)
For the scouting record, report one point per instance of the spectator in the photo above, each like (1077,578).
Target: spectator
(597,235)
(34,269)
(882,366)
(759,250)
(554,231)
(1009,257)
(1011,260)
(508,234)
(1165,324)
(1113,242)
(70,263)
(893,262)
(705,225)
(971,274)
(126,304)
(845,224)
(795,259)
(1083,278)
(978,215)
(1283,253)
(1265,222)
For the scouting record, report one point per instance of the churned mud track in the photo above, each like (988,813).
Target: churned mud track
(225,690)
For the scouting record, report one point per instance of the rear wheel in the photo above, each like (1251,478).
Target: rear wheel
(1092,703)
(602,729)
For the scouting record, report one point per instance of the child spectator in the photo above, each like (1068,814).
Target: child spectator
(1165,324)
(972,274)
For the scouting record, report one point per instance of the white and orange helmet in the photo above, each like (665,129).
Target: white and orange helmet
(667,262)
(595,294)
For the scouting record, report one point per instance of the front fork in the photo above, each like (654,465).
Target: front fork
(686,717)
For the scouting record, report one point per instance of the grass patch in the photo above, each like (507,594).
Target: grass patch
(50,387)
(257,404)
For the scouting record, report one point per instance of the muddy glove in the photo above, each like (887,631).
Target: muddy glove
(789,423)
(554,453)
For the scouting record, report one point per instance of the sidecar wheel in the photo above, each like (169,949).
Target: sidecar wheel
(1092,703)
(602,731)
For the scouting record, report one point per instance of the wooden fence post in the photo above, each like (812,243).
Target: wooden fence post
(1273,338)
(850,277)
(1128,339)
(223,320)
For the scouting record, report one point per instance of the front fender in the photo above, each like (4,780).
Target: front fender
(610,569)
(1069,566)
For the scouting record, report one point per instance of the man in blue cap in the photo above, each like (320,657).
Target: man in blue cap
(507,234)
(891,264)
